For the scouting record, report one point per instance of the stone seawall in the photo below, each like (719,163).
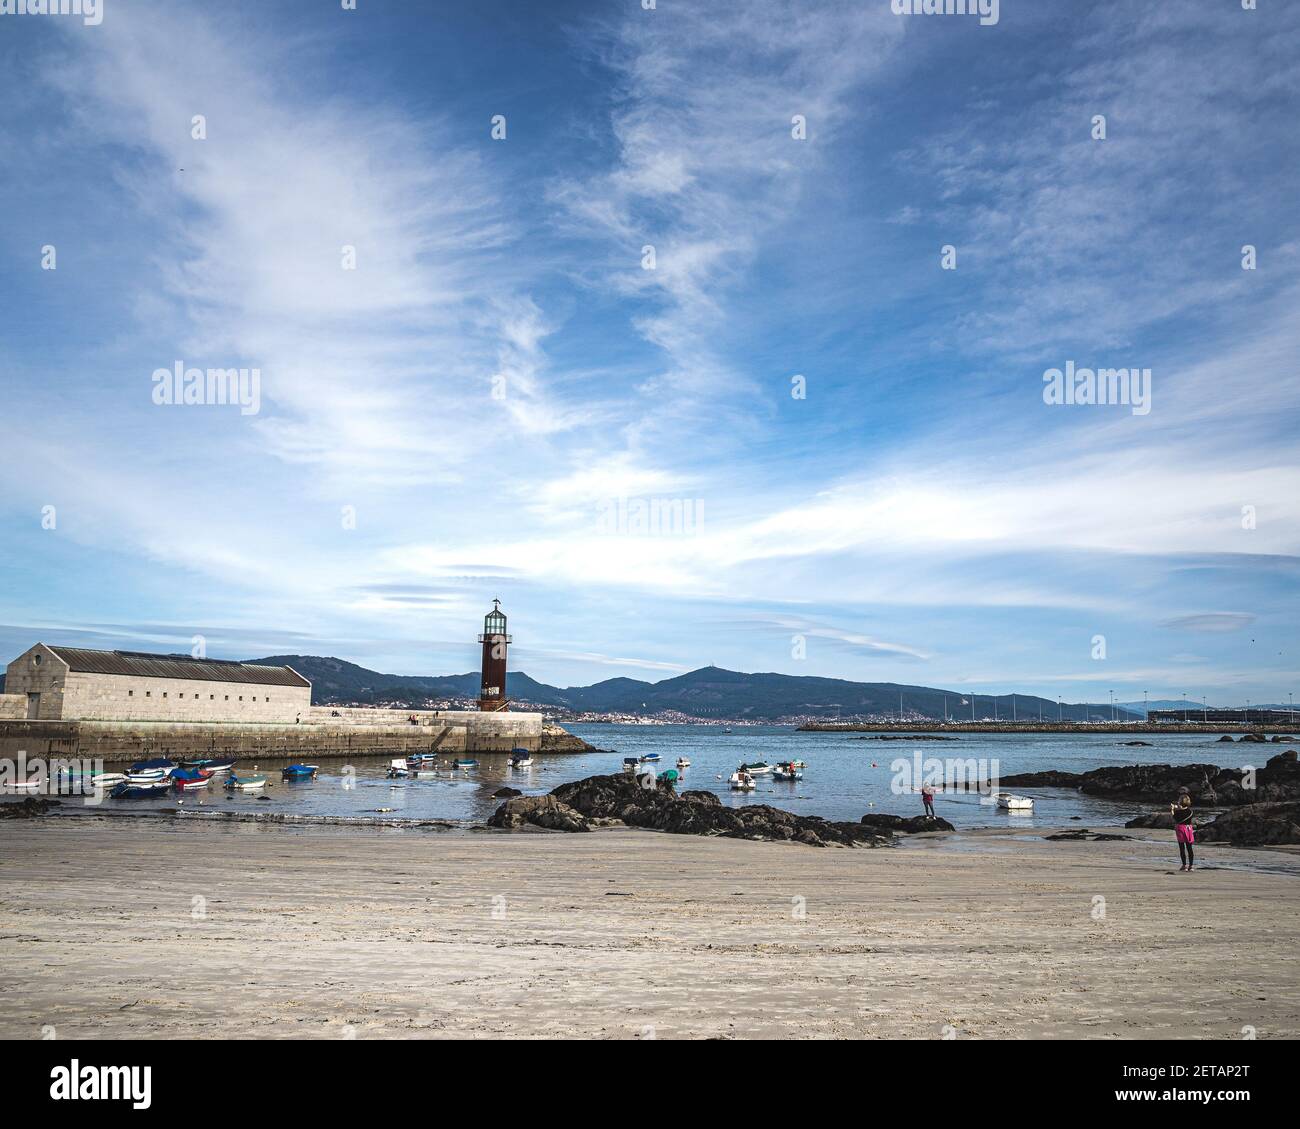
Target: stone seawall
(126,741)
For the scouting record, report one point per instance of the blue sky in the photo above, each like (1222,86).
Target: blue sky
(500,369)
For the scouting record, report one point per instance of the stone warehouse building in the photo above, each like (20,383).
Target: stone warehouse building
(77,684)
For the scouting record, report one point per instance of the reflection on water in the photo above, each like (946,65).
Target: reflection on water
(845,778)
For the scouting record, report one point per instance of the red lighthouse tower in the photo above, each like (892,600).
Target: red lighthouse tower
(492,690)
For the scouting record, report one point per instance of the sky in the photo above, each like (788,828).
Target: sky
(698,333)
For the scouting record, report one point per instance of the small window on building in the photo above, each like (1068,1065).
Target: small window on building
(164,693)
(148,693)
(130,693)
(36,660)
(227,697)
(241,697)
(212,697)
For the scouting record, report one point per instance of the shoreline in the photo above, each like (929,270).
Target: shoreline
(327,933)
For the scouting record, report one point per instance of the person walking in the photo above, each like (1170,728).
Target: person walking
(1181,810)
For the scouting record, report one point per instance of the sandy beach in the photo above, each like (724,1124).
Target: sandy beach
(135,928)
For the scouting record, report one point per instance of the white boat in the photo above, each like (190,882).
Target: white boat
(1007,801)
(741,782)
(682,762)
(792,774)
(20,787)
(521,762)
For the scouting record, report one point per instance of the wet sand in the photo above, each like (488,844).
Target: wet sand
(350,933)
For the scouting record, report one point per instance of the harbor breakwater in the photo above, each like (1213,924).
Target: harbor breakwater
(117,742)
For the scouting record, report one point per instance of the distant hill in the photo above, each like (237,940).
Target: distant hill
(709,692)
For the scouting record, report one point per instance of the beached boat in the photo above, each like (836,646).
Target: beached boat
(648,758)
(741,782)
(250,783)
(1008,801)
(682,762)
(187,779)
(136,791)
(460,762)
(299,772)
(20,787)
(761,768)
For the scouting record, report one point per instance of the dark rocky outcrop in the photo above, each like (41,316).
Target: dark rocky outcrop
(540,811)
(1144,744)
(1226,737)
(1209,785)
(1255,825)
(1158,821)
(908,825)
(29,807)
(1254,737)
(644,801)
(905,737)
(505,793)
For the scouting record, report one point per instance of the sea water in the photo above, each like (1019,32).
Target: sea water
(846,777)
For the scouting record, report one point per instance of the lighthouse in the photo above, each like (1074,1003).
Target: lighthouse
(492,690)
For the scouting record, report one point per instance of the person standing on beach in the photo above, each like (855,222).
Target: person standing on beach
(927,798)
(1182,813)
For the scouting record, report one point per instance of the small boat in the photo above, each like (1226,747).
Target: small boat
(521,758)
(213,766)
(759,769)
(187,779)
(399,769)
(299,772)
(727,730)
(649,758)
(741,782)
(20,787)
(630,764)
(682,762)
(249,783)
(135,791)
(460,762)
(786,772)
(1010,802)
(798,764)
(159,768)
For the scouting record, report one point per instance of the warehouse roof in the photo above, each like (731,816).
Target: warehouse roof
(142,664)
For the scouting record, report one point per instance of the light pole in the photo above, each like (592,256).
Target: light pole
(1184,707)
(1205,711)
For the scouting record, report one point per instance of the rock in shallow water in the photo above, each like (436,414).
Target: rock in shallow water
(643,801)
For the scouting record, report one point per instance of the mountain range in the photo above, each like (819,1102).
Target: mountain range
(707,693)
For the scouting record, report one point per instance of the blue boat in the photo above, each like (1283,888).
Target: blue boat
(649,758)
(212,764)
(459,763)
(159,768)
(128,791)
(299,772)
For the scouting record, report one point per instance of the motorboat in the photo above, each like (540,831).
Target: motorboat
(761,768)
(682,762)
(399,769)
(649,758)
(461,762)
(1008,801)
(741,782)
(786,772)
(299,772)
(214,766)
(521,758)
(630,764)
(157,768)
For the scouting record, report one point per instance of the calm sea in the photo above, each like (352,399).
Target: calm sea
(845,778)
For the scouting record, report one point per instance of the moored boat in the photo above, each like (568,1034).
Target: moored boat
(1008,801)
(760,768)
(741,782)
(157,768)
(786,772)
(187,779)
(214,766)
(128,790)
(649,758)
(462,762)
(299,772)
(630,764)
(250,783)
(682,762)
(521,758)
